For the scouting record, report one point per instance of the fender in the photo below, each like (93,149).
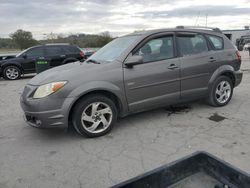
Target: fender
(219,71)
(100,86)
(69,59)
(8,63)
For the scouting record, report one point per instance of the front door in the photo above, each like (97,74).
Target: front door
(156,82)
(31,56)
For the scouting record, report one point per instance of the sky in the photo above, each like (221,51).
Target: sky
(119,17)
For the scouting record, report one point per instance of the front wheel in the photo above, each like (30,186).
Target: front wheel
(94,116)
(11,72)
(221,91)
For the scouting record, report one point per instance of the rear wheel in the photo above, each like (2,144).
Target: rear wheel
(94,116)
(71,60)
(11,72)
(221,91)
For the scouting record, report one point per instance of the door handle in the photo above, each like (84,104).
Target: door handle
(172,67)
(212,59)
(41,58)
(62,55)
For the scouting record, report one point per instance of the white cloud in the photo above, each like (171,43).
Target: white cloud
(118,17)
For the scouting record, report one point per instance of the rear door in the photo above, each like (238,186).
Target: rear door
(55,55)
(195,62)
(156,82)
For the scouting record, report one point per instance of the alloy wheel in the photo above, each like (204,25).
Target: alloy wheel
(223,92)
(96,117)
(12,73)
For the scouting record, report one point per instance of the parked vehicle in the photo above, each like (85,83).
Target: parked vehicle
(24,62)
(134,73)
(88,52)
(242,41)
(246,46)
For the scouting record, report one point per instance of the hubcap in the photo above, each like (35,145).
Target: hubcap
(12,73)
(96,117)
(223,92)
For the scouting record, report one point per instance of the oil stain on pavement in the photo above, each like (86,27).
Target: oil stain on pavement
(178,109)
(216,117)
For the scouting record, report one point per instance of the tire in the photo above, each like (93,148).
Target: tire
(94,123)
(11,72)
(221,92)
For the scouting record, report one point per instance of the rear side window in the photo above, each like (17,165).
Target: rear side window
(192,44)
(53,50)
(216,41)
(71,49)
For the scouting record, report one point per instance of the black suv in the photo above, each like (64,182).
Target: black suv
(24,62)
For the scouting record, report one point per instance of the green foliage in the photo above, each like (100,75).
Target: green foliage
(23,39)
(7,43)
(82,40)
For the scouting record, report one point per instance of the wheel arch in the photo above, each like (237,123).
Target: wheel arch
(109,94)
(225,70)
(4,65)
(70,59)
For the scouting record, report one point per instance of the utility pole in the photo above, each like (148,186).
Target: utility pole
(206,20)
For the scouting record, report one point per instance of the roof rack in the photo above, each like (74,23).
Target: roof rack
(215,29)
(51,44)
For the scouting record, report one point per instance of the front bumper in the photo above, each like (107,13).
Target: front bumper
(238,78)
(47,119)
(48,112)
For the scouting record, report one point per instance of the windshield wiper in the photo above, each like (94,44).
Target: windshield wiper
(93,61)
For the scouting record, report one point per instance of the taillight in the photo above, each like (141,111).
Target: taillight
(238,55)
(82,54)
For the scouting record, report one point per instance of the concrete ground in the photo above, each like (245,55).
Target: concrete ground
(33,158)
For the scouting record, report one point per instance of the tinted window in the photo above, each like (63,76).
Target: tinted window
(71,49)
(192,44)
(35,52)
(157,49)
(53,50)
(216,41)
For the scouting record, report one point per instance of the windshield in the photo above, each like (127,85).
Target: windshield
(114,49)
(22,52)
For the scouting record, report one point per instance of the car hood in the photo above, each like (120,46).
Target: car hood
(8,58)
(68,72)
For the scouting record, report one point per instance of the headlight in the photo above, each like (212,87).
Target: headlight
(47,89)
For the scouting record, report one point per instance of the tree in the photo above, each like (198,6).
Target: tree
(104,38)
(23,39)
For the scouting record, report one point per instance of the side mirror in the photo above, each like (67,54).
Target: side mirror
(133,60)
(24,56)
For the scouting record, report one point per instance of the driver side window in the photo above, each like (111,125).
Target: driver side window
(35,52)
(157,49)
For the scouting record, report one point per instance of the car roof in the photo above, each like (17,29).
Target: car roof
(53,44)
(144,33)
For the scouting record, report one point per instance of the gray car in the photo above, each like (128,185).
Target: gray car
(134,73)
